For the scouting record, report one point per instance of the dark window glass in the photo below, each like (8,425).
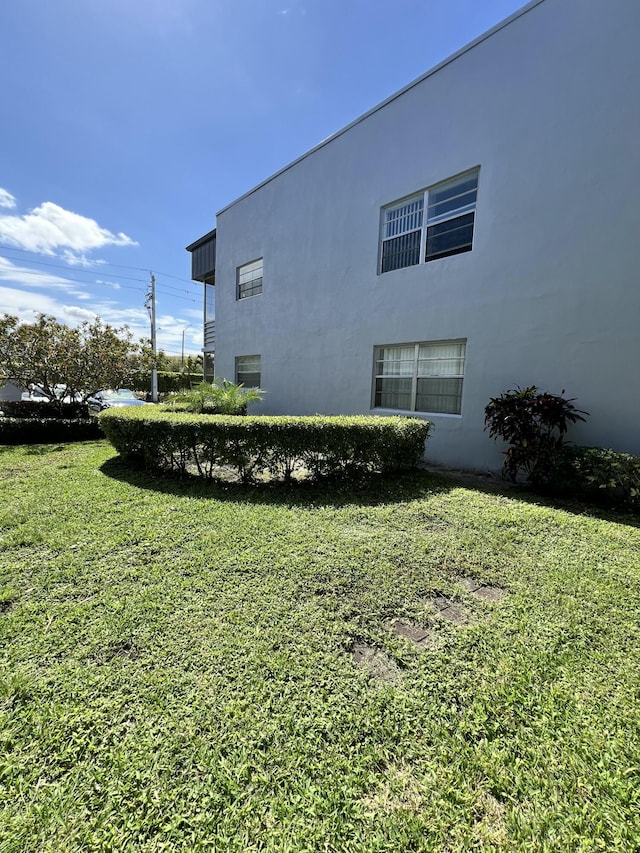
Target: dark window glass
(399,252)
(450,237)
(393,392)
(249,380)
(453,196)
(250,288)
(439,395)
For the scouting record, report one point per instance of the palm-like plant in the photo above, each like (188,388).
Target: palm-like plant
(218,398)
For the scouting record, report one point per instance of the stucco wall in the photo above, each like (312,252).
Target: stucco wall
(548,108)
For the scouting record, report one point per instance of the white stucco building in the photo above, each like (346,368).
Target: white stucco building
(476,231)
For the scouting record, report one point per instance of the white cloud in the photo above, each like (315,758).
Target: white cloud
(50,227)
(26,304)
(35,278)
(6,199)
(79,314)
(75,260)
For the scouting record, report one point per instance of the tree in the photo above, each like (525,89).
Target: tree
(83,359)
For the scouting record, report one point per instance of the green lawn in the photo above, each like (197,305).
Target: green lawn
(178,668)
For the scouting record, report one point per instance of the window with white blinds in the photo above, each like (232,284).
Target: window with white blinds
(420,377)
(248,370)
(409,237)
(250,279)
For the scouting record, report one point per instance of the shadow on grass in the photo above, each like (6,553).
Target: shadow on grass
(524,494)
(374,490)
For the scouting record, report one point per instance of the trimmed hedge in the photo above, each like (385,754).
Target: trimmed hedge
(275,447)
(43,411)
(48,430)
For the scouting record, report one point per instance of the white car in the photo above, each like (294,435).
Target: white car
(36,394)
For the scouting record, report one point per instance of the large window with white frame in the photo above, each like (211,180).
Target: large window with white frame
(249,279)
(434,223)
(248,370)
(420,377)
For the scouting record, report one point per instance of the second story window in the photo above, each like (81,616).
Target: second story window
(249,279)
(433,224)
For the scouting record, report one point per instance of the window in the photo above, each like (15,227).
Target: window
(422,377)
(250,279)
(248,371)
(447,229)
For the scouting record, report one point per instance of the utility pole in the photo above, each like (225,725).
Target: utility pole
(150,305)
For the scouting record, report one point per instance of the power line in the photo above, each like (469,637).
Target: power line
(70,271)
(98,266)
(117,285)
(92,281)
(175,296)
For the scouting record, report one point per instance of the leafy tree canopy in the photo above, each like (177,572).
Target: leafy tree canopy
(84,359)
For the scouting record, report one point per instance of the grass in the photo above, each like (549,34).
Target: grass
(178,670)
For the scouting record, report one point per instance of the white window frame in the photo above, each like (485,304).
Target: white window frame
(426,220)
(246,359)
(246,275)
(416,375)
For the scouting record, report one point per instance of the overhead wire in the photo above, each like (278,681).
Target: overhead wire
(99,266)
(72,272)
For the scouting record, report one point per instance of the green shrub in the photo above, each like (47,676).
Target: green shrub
(169,382)
(215,398)
(272,447)
(534,424)
(600,474)
(48,430)
(43,411)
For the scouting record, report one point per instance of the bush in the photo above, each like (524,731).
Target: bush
(534,424)
(169,381)
(44,411)
(215,398)
(275,447)
(47,430)
(600,474)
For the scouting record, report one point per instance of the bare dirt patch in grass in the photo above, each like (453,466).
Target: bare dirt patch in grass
(490,824)
(376,663)
(481,590)
(121,649)
(399,791)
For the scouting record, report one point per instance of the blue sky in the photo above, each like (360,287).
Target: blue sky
(126,124)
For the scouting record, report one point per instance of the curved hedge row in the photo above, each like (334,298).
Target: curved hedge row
(275,447)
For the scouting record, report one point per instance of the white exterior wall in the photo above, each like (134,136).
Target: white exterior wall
(548,107)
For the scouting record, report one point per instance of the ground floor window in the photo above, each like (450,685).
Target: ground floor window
(248,370)
(208,366)
(420,377)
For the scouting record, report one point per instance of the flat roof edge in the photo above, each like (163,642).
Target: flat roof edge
(458,53)
(200,241)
